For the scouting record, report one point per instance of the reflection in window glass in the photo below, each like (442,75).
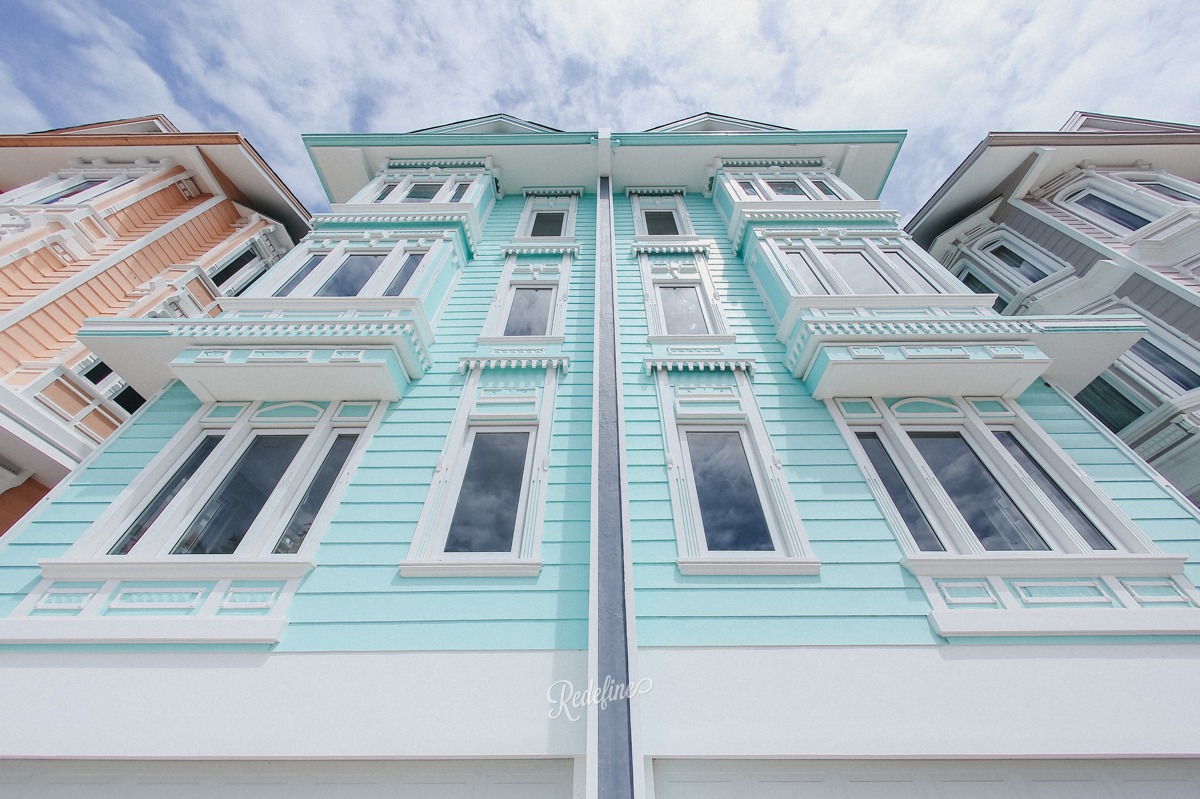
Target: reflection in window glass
(351,275)
(302,519)
(387,190)
(404,275)
(902,498)
(661,223)
(1082,524)
(1111,211)
(529,314)
(485,519)
(859,273)
(806,275)
(164,496)
(1114,410)
(1165,365)
(1169,191)
(730,509)
(298,278)
(222,276)
(994,518)
(229,512)
(825,188)
(78,188)
(1021,265)
(548,223)
(787,188)
(460,191)
(682,312)
(748,188)
(422,192)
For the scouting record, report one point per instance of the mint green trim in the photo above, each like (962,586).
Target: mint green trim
(312,140)
(887,173)
(320,172)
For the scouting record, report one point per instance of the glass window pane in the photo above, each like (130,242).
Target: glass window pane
(422,192)
(229,512)
(661,223)
(164,496)
(404,275)
(548,224)
(78,188)
(806,275)
(1170,191)
(1165,365)
(902,498)
(351,275)
(222,276)
(485,518)
(97,372)
(913,274)
(387,190)
(1114,410)
(994,518)
(979,287)
(460,191)
(1122,216)
(1021,265)
(748,188)
(730,509)
(825,188)
(787,188)
(529,314)
(1082,524)
(859,273)
(128,399)
(298,278)
(302,519)
(682,311)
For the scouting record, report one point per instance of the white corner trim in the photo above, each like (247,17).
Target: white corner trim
(715,564)
(506,567)
(194,568)
(1058,621)
(142,630)
(1050,564)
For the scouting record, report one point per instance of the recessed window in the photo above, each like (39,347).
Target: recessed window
(386,192)
(860,274)
(407,270)
(350,276)
(1168,191)
(128,399)
(682,310)
(1019,263)
(225,273)
(1122,216)
(865,269)
(97,372)
(548,223)
(422,192)
(979,287)
(1114,410)
(748,188)
(1166,365)
(787,188)
(460,191)
(661,223)
(825,189)
(346,273)
(485,516)
(731,510)
(529,313)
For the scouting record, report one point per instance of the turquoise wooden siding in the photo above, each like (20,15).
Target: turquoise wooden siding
(862,595)
(355,599)
(76,504)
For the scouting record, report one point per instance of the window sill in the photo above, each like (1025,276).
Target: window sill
(183,568)
(507,567)
(714,565)
(1050,564)
(957,623)
(145,630)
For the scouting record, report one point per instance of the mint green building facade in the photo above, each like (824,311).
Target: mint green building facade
(535,421)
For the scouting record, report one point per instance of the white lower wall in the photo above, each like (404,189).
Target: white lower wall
(922,702)
(259,706)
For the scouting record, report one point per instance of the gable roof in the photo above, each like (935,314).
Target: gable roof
(708,122)
(153,123)
(492,123)
(1091,122)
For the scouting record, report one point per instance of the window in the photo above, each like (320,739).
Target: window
(1114,410)
(529,313)
(783,186)
(1018,263)
(865,269)
(484,511)
(1124,217)
(531,302)
(680,297)
(548,216)
(250,482)
(732,509)
(1170,191)
(72,191)
(128,399)
(660,215)
(994,485)
(225,273)
(1114,204)
(348,271)
(683,313)
(979,287)
(1166,365)
(417,189)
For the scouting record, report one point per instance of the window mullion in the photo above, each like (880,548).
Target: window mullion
(258,541)
(887,269)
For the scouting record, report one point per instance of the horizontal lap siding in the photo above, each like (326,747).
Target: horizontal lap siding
(862,595)
(356,599)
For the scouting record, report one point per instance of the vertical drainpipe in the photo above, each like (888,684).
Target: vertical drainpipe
(610,753)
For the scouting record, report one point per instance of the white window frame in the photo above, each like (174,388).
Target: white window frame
(564,203)
(999,272)
(404,182)
(484,407)
(665,201)
(245,277)
(333,257)
(536,273)
(1142,202)
(1137,179)
(678,270)
(792,553)
(239,423)
(1139,380)
(813,253)
(806,179)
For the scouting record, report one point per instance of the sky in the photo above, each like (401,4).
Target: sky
(947,72)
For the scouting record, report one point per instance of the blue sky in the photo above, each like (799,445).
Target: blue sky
(948,72)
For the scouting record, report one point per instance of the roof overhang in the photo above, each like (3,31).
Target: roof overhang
(1004,162)
(27,158)
(862,159)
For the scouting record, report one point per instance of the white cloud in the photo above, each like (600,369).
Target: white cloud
(948,72)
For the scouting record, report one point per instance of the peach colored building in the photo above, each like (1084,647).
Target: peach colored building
(129,218)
